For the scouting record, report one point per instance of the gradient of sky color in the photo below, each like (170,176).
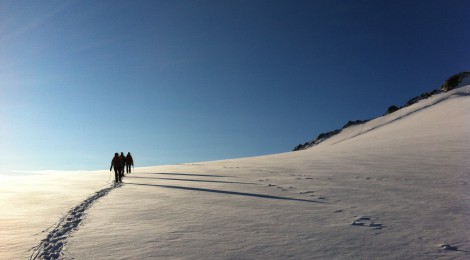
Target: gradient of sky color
(184,81)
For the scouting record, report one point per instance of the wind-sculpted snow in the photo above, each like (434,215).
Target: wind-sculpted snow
(51,247)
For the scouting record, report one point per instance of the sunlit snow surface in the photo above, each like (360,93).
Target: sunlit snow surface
(396,187)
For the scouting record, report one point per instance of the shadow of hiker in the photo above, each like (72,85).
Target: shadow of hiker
(192,180)
(225,192)
(189,174)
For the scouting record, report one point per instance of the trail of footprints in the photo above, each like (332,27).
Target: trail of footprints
(309,193)
(362,221)
(52,246)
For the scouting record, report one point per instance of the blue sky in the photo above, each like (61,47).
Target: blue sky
(185,81)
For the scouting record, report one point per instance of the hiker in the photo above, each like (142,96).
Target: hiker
(129,162)
(123,163)
(116,163)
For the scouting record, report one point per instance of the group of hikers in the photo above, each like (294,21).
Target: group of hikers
(121,162)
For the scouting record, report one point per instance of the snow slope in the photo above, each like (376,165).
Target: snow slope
(395,187)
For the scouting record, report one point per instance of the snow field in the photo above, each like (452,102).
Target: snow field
(393,188)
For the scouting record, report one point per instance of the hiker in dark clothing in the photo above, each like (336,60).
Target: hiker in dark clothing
(116,163)
(123,163)
(129,162)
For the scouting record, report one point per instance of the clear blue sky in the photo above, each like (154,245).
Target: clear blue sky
(184,81)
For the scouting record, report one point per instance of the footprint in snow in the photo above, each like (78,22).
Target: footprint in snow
(366,221)
(449,247)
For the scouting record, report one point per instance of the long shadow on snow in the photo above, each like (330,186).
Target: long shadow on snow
(194,180)
(223,192)
(188,174)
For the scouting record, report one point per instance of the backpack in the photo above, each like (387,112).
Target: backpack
(117,163)
(129,160)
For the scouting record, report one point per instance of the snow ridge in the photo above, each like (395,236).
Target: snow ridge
(52,246)
(456,81)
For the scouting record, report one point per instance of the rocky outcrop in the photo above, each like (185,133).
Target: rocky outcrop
(451,83)
(323,136)
(454,81)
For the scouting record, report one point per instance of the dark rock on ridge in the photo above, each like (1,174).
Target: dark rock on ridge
(449,84)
